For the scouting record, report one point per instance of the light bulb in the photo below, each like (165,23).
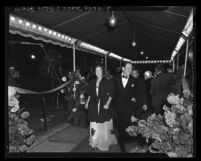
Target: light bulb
(33,56)
(112,21)
(33,26)
(133,43)
(39,28)
(27,24)
(20,21)
(64,79)
(12,18)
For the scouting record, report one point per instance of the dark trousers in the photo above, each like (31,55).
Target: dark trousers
(121,122)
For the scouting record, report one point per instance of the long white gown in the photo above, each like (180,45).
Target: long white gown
(102,137)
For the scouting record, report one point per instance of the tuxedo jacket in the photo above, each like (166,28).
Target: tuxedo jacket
(123,96)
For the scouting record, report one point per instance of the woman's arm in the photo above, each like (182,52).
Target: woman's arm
(111,90)
(87,102)
(185,86)
(106,106)
(109,100)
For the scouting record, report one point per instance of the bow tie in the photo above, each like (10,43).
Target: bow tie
(123,76)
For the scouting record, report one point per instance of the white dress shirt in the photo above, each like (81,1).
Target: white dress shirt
(124,80)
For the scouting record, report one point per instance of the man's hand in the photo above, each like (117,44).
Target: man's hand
(133,119)
(74,109)
(133,100)
(144,107)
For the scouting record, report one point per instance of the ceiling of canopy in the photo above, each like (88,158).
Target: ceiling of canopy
(156,31)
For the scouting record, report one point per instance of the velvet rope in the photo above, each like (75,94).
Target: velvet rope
(25,91)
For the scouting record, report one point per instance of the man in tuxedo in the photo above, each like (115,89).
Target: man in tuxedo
(160,88)
(124,102)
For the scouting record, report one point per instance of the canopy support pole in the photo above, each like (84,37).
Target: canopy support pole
(74,57)
(105,63)
(187,41)
(44,114)
(178,61)
(120,63)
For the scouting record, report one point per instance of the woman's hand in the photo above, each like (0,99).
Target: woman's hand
(106,106)
(187,93)
(144,107)
(86,106)
(87,103)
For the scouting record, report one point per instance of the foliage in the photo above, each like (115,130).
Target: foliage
(20,135)
(76,94)
(171,133)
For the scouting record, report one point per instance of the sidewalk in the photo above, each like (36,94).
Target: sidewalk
(68,138)
(63,138)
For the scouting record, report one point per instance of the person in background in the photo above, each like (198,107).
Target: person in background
(90,75)
(118,70)
(78,114)
(141,95)
(181,83)
(142,111)
(13,75)
(160,88)
(108,75)
(13,78)
(147,79)
(100,115)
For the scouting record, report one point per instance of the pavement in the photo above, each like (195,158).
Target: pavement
(63,138)
(60,135)
(68,138)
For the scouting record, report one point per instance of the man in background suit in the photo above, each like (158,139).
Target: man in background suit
(141,95)
(160,88)
(124,102)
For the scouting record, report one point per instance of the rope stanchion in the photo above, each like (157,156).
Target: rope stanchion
(25,91)
(44,114)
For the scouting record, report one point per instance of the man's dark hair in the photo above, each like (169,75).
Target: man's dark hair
(126,62)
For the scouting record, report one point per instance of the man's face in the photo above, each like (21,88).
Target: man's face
(127,69)
(170,70)
(135,74)
(16,74)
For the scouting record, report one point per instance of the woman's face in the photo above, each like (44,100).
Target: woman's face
(99,72)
